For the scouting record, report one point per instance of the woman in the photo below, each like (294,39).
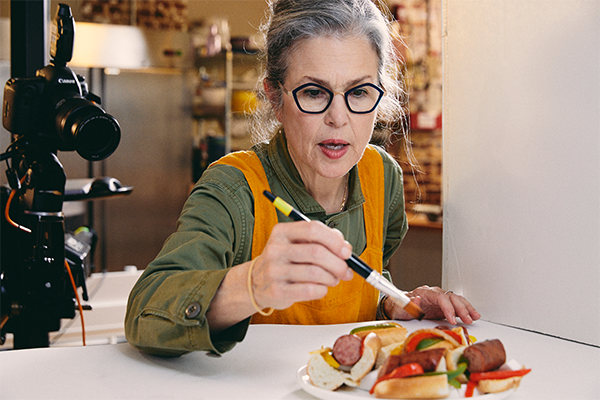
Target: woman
(330,78)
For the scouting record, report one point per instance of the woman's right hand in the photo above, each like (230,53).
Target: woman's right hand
(300,261)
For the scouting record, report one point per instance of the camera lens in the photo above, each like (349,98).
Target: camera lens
(87,129)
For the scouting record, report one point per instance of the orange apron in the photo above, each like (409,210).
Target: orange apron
(349,301)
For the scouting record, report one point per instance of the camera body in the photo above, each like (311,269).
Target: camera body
(54,109)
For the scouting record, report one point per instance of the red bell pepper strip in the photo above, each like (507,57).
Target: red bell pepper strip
(480,376)
(414,341)
(456,337)
(402,371)
(470,388)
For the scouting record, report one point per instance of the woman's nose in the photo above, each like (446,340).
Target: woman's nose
(337,113)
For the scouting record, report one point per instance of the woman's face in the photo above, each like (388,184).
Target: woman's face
(327,145)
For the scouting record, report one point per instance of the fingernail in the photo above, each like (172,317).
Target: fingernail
(346,252)
(350,274)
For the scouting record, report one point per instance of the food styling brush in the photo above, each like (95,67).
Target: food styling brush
(372,277)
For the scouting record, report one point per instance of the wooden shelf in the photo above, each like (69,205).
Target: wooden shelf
(422,221)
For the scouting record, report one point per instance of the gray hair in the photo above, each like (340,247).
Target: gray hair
(291,21)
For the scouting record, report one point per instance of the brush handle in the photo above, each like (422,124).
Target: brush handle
(359,266)
(285,207)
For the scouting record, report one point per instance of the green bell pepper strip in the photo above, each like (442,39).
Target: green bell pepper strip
(427,342)
(452,375)
(372,327)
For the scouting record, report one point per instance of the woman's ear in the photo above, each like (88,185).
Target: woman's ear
(271,93)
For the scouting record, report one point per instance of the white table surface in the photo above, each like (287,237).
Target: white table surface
(264,366)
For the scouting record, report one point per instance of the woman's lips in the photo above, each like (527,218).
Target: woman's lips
(333,149)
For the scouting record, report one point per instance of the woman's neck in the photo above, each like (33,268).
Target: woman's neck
(332,196)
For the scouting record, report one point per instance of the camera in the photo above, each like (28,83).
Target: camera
(41,265)
(55,109)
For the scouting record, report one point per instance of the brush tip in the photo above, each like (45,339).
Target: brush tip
(414,310)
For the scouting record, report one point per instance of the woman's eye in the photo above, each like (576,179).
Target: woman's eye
(359,92)
(313,92)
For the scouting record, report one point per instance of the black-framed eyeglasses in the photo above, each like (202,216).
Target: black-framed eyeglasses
(312,98)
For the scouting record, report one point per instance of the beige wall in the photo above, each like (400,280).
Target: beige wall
(521,162)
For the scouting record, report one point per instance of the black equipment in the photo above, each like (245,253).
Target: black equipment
(54,109)
(49,112)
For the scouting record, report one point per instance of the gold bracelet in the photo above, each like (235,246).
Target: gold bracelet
(382,307)
(261,312)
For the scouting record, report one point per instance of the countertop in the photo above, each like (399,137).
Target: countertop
(265,366)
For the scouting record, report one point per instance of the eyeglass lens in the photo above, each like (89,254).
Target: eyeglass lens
(315,98)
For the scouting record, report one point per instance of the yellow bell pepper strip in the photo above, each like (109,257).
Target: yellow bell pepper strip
(402,371)
(328,357)
(327,354)
(396,350)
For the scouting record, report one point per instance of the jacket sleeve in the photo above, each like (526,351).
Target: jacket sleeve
(167,306)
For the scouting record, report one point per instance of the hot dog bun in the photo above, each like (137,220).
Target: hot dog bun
(371,346)
(452,359)
(323,375)
(386,351)
(498,385)
(415,387)
(392,336)
(388,332)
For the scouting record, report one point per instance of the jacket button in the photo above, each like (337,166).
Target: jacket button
(192,310)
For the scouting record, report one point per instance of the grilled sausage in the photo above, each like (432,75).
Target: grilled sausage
(428,359)
(485,356)
(347,349)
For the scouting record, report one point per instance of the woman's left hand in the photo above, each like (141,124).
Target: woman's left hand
(437,304)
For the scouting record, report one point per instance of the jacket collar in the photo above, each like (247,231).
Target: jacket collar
(287,173)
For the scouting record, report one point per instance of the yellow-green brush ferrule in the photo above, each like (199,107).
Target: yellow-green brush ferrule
(282,206)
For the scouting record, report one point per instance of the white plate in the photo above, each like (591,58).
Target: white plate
(349,393)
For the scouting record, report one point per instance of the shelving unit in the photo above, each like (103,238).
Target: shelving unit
(222,77)
(212,99)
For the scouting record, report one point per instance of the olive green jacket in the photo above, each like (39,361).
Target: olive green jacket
(167,306)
